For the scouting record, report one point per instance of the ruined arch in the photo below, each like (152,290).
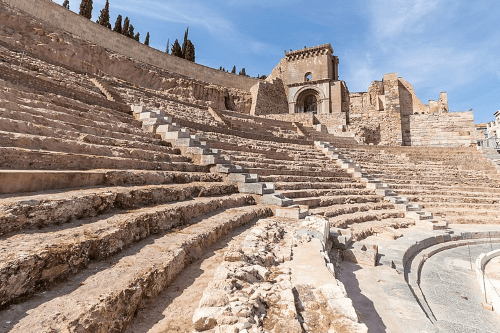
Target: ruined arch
(308,99)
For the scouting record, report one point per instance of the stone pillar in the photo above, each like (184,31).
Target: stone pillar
(391,116)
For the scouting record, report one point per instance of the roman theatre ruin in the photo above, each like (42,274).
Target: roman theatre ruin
(141,192)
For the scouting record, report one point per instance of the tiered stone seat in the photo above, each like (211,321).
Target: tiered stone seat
(39,135)
(249,123)
(457,184)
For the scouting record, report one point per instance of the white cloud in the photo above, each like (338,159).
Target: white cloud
(390,18)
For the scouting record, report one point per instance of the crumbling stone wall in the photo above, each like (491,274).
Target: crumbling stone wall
(63,49)
(454,129)
(61,18)
(390,113)
(269,97)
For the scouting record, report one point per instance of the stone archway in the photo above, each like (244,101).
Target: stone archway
(308,100)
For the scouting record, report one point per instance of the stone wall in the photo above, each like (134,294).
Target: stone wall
(306,119)
(391,115)
(454,129)
(268,97)
(63,19)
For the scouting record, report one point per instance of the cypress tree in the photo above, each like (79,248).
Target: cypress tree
(184,43)
(168,46)
(136,37)
(189,55)
(131,31)
(126,24)
(242,72)
(86,8)
(66,4)
(146,42)
(118,24)
(234,69)
(104,17)
(176,49)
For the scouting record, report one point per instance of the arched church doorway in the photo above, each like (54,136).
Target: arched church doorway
(307,101)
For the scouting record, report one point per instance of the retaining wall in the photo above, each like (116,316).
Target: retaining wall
(64,19)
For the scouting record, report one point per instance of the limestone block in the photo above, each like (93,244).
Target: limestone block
(139,108)
(362,254)
(320,225)
(206,318)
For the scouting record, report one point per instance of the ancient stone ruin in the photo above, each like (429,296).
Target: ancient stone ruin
(141,192)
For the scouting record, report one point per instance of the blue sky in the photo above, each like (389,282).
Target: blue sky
(436,45)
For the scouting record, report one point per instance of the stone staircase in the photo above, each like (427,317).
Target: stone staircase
(412,211)
(198,150)
(458,184)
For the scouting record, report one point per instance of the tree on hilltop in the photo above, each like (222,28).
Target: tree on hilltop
(66,4)
(184,43)
(104,17)
(176,49)
(126,24)
(137,36)
(146,42)
(242,72)
(189,55)
(234,69)
(86,8)
(131,31)
(118,24)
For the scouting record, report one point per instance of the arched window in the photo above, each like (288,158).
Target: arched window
(308,77)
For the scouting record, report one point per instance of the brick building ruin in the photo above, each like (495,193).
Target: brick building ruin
(389,113)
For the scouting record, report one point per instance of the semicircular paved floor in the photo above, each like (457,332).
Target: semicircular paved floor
(452,292)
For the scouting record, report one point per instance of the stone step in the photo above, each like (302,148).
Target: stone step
(183,133)
(206,160)
(408,207)
(150,125)
(277,172)
(377,186)
(100,138)
(325,192)
(396,199)
(386,227)
(419,215)
(276,199)
(27,141)
(64,118)
(284,186)
(450,212)
(423,199)
(151,114)
(432,187)
(256,188)
(243,178)
(472,219)
(345,220)
(19,181)
(449,192)
(25,159)
(385,193)
(292,212)
(341,209)
(37,211)
(47,260)
(227,168)
(432,224)
(335,200)
(155,267)
(305,179)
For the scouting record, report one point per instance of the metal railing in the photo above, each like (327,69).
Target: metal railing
(493,143)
